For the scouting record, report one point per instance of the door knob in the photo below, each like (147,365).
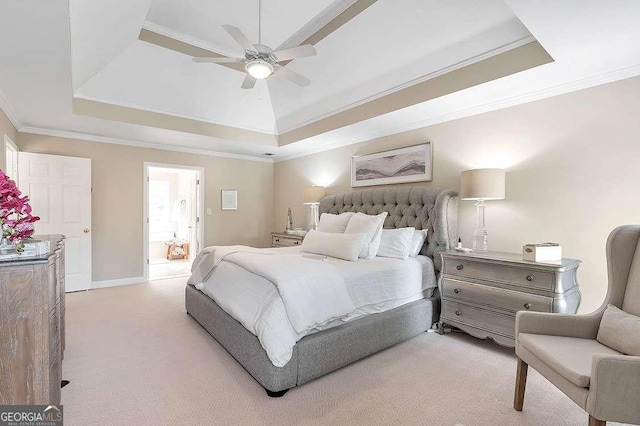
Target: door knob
(86,230)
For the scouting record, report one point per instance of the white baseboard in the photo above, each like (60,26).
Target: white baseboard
(118,282)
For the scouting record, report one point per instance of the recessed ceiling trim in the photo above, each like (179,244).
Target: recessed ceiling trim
(537,95)
(108,111)
(412,83)
(342,18)
(510,62)
(139,144)
(178,43)
(318,22)
(335,16)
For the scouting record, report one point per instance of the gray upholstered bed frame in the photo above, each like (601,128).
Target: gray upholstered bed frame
(326,351)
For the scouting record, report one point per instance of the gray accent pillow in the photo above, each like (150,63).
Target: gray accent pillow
(620,331)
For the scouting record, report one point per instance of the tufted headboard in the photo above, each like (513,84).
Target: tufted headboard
(434,209)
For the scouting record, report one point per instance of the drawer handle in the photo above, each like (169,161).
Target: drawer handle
(460,267)
(277,240)
(529,277)
(456,290)
(527,305)
(458,313)
(296,242)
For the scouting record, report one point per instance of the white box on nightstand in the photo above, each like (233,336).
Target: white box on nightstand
(545,252)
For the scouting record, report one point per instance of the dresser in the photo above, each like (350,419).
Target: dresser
(32,327)
(481,292)
(282,239)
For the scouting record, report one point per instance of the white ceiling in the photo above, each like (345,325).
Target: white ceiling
(91,50)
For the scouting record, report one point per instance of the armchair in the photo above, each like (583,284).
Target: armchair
(563,348)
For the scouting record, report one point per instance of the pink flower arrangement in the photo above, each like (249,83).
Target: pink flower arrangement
(16,220)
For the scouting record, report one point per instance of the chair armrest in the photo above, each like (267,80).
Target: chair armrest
(614,388)
(568,325)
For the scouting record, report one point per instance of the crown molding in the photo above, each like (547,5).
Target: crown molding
(561,89)
(9,112)
(139,144)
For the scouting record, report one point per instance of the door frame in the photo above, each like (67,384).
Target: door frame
(145,202)
(8,143)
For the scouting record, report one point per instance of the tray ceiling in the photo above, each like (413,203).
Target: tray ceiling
(121,70)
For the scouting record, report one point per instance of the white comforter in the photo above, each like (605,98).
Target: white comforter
(309,289)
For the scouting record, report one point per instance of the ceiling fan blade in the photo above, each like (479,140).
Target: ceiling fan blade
(248,82)
(240,38)
(292,76)
(220,60)
(294,52)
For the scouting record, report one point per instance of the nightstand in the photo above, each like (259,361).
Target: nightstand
(481,292)
(281,239)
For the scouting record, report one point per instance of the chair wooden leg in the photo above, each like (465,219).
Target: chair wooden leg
(521,383)
(595,422)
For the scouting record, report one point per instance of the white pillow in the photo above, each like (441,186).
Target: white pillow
(342,246)
(417,242)
(371,226)
(396,243)
(330,222)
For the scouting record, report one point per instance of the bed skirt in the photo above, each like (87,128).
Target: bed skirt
(317,354)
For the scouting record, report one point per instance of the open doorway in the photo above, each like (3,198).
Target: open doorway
(173,211)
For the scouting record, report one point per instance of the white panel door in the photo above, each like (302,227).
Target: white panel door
(60,192)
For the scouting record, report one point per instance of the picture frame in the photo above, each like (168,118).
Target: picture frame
(401,165)
(229,199)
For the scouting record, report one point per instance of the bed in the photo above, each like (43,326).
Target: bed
(326,350)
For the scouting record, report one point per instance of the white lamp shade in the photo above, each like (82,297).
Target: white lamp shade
(482,184)
(313,194)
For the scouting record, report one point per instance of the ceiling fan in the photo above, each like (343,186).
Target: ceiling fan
(261,61)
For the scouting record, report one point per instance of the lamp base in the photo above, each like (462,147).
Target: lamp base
(480,236)
(480,240)
(314,217)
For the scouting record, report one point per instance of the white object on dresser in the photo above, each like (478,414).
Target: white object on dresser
(542,252)
(481,292)
(282,239)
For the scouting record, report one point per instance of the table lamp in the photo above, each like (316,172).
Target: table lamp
(482,185)
(311,196)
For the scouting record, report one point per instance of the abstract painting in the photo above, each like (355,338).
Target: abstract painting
(410,164)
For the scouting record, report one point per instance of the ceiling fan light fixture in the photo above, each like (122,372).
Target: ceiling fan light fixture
(259,69)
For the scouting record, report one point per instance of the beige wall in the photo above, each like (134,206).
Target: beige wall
(6,128)
(117,199)
(572,162)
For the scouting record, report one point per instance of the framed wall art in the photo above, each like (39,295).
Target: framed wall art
(402,165)
(229,199)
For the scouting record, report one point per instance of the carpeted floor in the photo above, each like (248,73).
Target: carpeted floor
(134,357)
(162,268)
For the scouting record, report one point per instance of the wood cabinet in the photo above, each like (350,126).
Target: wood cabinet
(481,292)
(280,239)
(32,327)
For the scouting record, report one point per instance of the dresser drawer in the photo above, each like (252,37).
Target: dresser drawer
(479,318)
(279,241)
(501,273)
(500,298)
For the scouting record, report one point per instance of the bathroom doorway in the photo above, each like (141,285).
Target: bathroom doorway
(173,212)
